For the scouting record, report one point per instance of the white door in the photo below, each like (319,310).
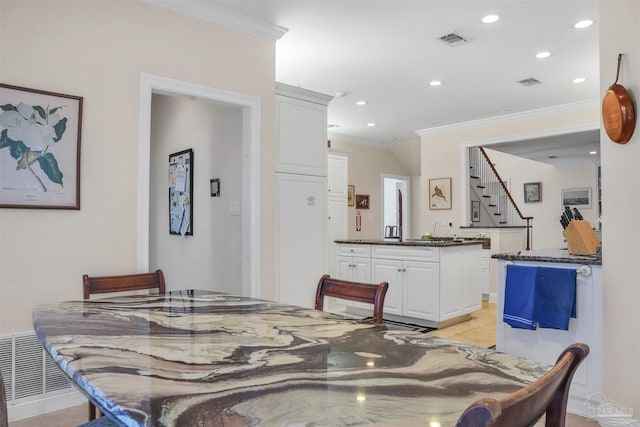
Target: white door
(338,171)
(301,237)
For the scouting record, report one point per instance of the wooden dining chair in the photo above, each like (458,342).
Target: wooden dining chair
(121,283)
(127,282)
(353,291)
(548,395)
(4,416)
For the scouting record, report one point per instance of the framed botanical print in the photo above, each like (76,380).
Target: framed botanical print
(39,149)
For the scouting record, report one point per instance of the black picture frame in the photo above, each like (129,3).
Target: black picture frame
(181,193)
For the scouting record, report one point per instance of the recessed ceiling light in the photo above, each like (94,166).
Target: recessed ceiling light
(583,24)
(490,19)
(543,54)
(593,152)
(435,83)
(579,80)
(361,102)
(371,124)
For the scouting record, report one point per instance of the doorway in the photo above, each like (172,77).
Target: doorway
(250,186)
(395,206)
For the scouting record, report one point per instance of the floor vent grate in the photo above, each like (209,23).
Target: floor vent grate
(28,371)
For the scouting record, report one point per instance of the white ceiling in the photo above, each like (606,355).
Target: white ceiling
(387,51)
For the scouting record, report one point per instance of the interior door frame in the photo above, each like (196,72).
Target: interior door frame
(251,124)
(406,200)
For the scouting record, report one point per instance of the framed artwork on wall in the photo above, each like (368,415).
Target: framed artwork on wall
(576,197)
(475,211)
(362,201)
(39,149)
(532,192)
(440,193)
(181,193)
(351,195)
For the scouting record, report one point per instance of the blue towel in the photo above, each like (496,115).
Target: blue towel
(555,297)
(519,297)
(539,295)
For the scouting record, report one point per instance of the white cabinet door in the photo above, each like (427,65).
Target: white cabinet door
(301,131)
(338,172)
(362,270)
(301,237)
(472,297)
(344,268)
(386,270)
(421,290)
(353,269)
(485,271)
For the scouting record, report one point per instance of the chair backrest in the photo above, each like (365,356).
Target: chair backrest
(549,394)
(4,416)
(354,291)
(126,282)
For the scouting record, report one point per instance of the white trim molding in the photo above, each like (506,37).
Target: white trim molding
(510,118)
(224,17)
(251,128)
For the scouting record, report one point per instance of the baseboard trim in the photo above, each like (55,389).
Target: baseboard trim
(52,403)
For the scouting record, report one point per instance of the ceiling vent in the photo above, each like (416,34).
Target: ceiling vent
(531,81)
(453,40)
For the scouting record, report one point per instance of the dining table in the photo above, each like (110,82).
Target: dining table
(204,358)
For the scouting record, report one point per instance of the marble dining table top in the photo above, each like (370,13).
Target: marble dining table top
(200,358)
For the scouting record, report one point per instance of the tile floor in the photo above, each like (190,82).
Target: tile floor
(479,330)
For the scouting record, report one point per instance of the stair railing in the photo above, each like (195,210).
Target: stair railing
(497,197)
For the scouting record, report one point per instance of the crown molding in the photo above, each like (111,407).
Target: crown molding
(289,91)
(510,118)
(224,17)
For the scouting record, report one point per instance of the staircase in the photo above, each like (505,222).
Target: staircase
(490,189)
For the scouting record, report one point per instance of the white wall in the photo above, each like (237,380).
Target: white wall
(98,50)
(211,258)
(620,33)
(547,231)
(442,153)
(366,166)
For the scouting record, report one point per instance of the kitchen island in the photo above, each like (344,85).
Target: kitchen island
(431,282)
(544,344)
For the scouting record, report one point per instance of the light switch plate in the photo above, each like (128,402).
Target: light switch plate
(234,207)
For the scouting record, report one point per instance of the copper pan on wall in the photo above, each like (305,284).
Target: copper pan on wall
(618,115)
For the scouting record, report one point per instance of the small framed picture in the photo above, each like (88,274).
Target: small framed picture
(440,193)
(532,192)
(576,197)
(351,195)
(362,201)
(475,211)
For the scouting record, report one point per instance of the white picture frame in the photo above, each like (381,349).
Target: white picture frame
(576,197)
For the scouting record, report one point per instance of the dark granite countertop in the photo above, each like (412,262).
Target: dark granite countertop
(550,255)
(187,356)
(433,242)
